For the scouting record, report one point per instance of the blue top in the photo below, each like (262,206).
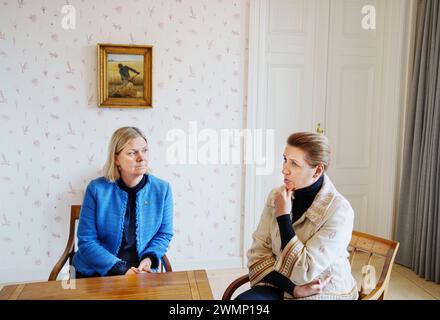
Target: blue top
(101,223)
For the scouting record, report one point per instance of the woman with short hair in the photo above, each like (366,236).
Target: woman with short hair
(299,249)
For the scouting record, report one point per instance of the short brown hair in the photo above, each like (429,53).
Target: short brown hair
(120,139)
(314,145)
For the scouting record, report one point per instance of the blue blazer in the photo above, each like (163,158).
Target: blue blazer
(101,223)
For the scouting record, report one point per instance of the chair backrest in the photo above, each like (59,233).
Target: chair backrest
(75,211)
(374,246)
(69,251)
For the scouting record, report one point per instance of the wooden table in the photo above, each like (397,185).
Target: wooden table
(185,285)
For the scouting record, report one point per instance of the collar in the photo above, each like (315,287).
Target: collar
(134,189)
(309,191)
(317,213)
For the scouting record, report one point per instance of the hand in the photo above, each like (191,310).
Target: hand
(283,202)
(132,270)
(145,265)
(310,289)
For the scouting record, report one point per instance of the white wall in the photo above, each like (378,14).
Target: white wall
(53,138)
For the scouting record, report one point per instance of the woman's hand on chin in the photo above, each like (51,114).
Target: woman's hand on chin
(283,202)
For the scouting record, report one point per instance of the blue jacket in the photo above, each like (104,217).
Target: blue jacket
(101,223)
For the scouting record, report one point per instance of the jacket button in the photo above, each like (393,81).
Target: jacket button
(146,202)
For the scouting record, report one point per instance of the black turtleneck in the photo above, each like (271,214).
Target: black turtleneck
(302,199)
(128,251)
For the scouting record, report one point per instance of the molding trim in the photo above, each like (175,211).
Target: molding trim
(256,111)
(393,79)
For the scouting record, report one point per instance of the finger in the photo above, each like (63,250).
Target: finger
(147,268)
(143,265)
(290,192)
(283,190)
(326,281)
(316,288)
(136,270)
(314,282)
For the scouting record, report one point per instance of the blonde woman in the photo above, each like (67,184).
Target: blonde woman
(126,218)
(299,249)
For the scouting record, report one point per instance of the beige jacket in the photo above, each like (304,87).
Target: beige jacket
(318,249)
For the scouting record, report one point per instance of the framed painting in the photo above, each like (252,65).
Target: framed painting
(125,76)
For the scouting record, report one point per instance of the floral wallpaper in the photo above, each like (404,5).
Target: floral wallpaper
(53,137)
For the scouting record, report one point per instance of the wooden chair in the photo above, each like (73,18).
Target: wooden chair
(360,242)
(69,252)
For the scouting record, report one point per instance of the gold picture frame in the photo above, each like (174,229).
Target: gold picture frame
(125,76)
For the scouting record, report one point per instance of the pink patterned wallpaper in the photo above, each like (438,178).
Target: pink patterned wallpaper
(53,138)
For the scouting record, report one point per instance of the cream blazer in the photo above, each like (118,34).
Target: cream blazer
(318,249)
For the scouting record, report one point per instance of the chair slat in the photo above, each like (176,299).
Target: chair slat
(352,255)
(369,258)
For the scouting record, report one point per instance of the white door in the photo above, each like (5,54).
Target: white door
(316,64)
(288,43)
(354,98)
(293,68)
(364,72)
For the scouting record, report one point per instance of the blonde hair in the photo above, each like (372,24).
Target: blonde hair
(120,139)
(314,145)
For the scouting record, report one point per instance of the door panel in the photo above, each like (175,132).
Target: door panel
(353,105)
(291,38)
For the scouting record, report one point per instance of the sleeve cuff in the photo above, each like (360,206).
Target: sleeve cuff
(280,281)
(119,269)
(260,269)
(288,257)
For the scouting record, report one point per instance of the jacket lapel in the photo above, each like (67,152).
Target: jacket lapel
(318,211)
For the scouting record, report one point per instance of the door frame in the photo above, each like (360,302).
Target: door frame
(256,109)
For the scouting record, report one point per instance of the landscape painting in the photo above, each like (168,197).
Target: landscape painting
(125,76)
